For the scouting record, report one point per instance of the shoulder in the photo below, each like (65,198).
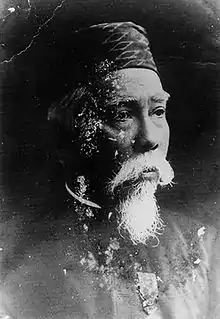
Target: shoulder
(191,254)
(33,277)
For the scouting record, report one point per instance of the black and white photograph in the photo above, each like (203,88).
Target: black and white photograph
(109,159)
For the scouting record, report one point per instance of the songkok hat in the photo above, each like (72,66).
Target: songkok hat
(116,45)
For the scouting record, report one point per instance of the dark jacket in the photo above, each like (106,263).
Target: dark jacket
(62,277)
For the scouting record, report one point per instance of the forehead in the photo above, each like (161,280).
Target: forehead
(134,83)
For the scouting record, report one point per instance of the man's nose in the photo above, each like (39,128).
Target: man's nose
(147,138)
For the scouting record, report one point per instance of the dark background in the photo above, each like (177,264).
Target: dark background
(35,51)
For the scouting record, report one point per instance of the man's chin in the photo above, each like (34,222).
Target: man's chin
(138,214)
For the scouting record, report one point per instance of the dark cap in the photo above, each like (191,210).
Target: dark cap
(118,45)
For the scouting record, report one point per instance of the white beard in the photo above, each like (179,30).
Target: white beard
(139,214)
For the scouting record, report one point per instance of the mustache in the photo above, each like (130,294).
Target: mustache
(140,167)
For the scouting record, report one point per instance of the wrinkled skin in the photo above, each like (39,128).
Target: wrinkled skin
(129,119)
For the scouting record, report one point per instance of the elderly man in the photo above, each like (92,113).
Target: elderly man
(117,256)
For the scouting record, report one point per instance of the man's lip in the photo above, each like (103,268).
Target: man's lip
(151,175)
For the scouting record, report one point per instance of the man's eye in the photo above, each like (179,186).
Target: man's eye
(123,116)
(160,112)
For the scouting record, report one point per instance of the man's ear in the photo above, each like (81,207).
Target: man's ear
(63,112)
(63,134)
(62,117)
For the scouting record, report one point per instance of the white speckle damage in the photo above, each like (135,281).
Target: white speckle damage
(89,212)
(137,266)
(101,285)
(89,124)
(194,276)
(121,134)
(113,245)
(82,185)
(11,9)
(201,231)
(90,262)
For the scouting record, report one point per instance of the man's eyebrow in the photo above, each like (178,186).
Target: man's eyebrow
(159,97)
(118,99)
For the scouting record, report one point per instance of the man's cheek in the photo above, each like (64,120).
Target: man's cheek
(120,147)
(120,138)
(166,139)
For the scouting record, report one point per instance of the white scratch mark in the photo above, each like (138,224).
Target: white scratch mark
(197,261)
(109,215)
(37,34)
(159,279)
(2,19)
(194,276)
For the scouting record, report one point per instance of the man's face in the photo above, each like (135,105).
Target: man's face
(131,113)
(136,113)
